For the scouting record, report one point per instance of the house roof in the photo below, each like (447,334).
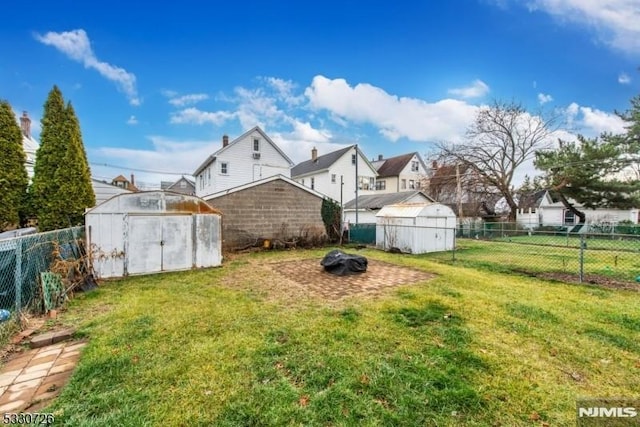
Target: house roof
(264,181)
(377,201)
(324,162)
(213,156)
(321,163)
(394,165)
(531,200)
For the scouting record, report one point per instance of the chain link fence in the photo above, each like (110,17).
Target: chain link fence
(598,254)
(22,259)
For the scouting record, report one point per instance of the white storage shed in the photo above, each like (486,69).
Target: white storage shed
(416,228)
(153,231)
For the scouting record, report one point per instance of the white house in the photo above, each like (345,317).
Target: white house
(104,191)
(335,174)
(250,157)
(29,144)
(399,173)
(544,210)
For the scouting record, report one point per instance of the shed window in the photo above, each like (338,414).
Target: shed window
(256,144)
(224,168)
(333,178)
(183,184)
(353,159)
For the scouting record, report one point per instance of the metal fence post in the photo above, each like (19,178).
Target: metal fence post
(18,275)
(583,245)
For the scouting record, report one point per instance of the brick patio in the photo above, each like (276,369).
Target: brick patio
(310,275)
(30,379)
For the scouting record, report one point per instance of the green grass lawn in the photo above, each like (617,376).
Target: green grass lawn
(237,346)
(524,255)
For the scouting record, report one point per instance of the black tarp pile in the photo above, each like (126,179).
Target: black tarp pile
(342,264)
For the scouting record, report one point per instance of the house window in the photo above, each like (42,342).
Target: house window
(256,144)
(209,176)
(381,185)
(313,183)
(403,184)
(365,183)
(224,168)
(333,178)
(372,183)
(414,166)
(353,159)
(412,185)
(569,217)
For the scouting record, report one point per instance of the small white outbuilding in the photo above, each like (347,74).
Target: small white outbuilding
(416,228)
(151,232)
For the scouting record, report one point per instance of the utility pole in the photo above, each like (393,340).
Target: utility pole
(357,183)
(458,191)
(341,209)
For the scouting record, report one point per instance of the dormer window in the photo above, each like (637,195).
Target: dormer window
(256,145)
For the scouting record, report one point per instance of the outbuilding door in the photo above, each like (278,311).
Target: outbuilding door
(159,243)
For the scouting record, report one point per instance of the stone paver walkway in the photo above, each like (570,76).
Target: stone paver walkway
(379,276)
(28,380)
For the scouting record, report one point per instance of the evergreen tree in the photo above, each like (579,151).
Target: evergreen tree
(53,147)
(73,174)
(61,188)
(587,172)
(13,175)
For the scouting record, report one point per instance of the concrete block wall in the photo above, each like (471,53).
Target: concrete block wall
(273,210)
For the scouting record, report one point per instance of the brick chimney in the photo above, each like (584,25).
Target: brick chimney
(225,140)
(380,157)
(25,124)
(314,154)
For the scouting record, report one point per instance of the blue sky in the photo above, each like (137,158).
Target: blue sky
(155,85)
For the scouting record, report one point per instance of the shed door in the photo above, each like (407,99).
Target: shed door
(159,243)
(145,251)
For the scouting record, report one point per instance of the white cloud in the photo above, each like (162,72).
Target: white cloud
(624,79)
(477,89)
(600,121)
(190,99)
(544,98)
(76,45)
(615,21)
(395,117)
(306,132)
(132,120)
(285,90)
(195,116)
(592,122)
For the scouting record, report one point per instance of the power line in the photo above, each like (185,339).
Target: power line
(140,170)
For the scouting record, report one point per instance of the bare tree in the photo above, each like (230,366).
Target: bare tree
(502,138)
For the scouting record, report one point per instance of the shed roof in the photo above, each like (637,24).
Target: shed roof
(154,202)
(264,181)
(377,201)
(413,210)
